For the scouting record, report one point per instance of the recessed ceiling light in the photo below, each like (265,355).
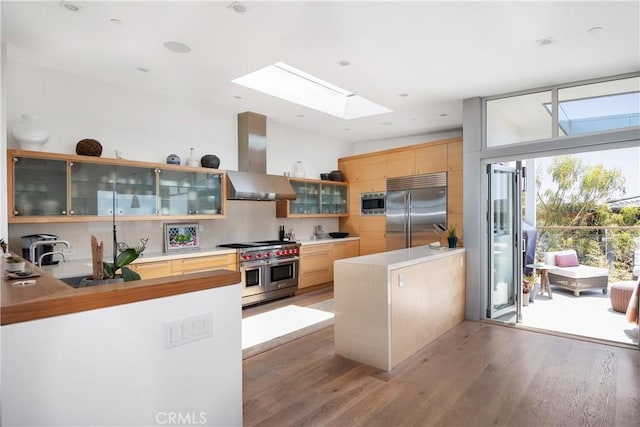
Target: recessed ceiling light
(237,96)
(70,6)
(293,85)
(301,116)
(177,47)
(115,21)
(347,129)
(594,30)
(403,95)
(443,115)
(386,123)
(545,42)
(142,69)
(238,7)
(344,63)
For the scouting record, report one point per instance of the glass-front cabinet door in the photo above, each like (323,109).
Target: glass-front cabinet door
(96,189)
(334,198)
(308,198)
(39,187)
(184,192)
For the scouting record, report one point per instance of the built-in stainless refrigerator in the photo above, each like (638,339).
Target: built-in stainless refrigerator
(416,210)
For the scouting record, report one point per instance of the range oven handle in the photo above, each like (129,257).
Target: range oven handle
(283,260)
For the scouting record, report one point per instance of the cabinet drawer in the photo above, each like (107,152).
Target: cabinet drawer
(346,249)
(152,270)
(193,265)
(315,277)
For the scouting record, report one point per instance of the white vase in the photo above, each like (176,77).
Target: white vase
(298,170)
(192,161)
(29,133)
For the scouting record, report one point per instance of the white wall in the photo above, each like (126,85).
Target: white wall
(150,127)
(3,141)
(385,144)
(111,367)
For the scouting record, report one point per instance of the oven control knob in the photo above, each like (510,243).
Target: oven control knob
(258,255)
(268,254)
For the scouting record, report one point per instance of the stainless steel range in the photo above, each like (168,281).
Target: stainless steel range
(269,269)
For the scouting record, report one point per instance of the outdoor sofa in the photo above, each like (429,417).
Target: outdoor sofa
(570,274)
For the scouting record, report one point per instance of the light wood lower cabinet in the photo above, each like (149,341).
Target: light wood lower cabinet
(348,249)
(175,267)
(153,269)
(316,261)
(316,265)
(204,263)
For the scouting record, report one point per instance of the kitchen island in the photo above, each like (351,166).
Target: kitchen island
(390,305)
(133,353)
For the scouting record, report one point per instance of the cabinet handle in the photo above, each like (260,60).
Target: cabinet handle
(64,212)
(16,213)
(400,281)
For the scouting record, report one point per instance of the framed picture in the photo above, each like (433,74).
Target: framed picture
(181,236)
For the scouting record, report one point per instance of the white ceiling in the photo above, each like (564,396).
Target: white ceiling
(436,52)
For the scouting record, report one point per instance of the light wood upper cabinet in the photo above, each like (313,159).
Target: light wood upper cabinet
(372,168)
(349,169)
(315,198)
(401,163)
(431,159)
(51,187)
(454,156)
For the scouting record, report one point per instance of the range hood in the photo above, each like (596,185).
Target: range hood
(251,181)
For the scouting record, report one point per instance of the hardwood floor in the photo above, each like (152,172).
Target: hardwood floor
(476,374)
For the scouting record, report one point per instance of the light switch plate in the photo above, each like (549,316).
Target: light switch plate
(184,331)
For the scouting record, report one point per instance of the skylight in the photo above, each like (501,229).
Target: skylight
(578,116)
(288,83)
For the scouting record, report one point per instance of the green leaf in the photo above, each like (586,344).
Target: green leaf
(109,270)
(129,275)
(127,257)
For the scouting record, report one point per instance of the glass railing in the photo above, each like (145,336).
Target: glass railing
(614,247)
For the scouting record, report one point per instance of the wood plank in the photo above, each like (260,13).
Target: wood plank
(475,374)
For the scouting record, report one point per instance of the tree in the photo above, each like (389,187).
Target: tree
(577,197)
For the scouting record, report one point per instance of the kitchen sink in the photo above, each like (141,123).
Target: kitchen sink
(73,281)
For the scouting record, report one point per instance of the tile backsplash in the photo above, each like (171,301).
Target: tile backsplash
(246,221)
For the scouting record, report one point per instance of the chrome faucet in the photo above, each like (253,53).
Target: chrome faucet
(52,243)
(52,253)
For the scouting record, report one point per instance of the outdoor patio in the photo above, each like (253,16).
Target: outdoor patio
(589,315)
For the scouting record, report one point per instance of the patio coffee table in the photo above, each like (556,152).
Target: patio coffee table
(543,269)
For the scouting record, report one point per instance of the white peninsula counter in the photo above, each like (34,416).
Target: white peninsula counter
(390,305)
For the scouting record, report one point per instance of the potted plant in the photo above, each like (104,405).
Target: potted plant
(452,237)
(15,264)
(528,283)
(116,271)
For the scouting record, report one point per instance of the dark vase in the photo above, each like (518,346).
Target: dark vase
(210,161)
(173,159)
(453,242)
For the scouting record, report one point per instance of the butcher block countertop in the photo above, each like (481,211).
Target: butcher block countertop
(49,296)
